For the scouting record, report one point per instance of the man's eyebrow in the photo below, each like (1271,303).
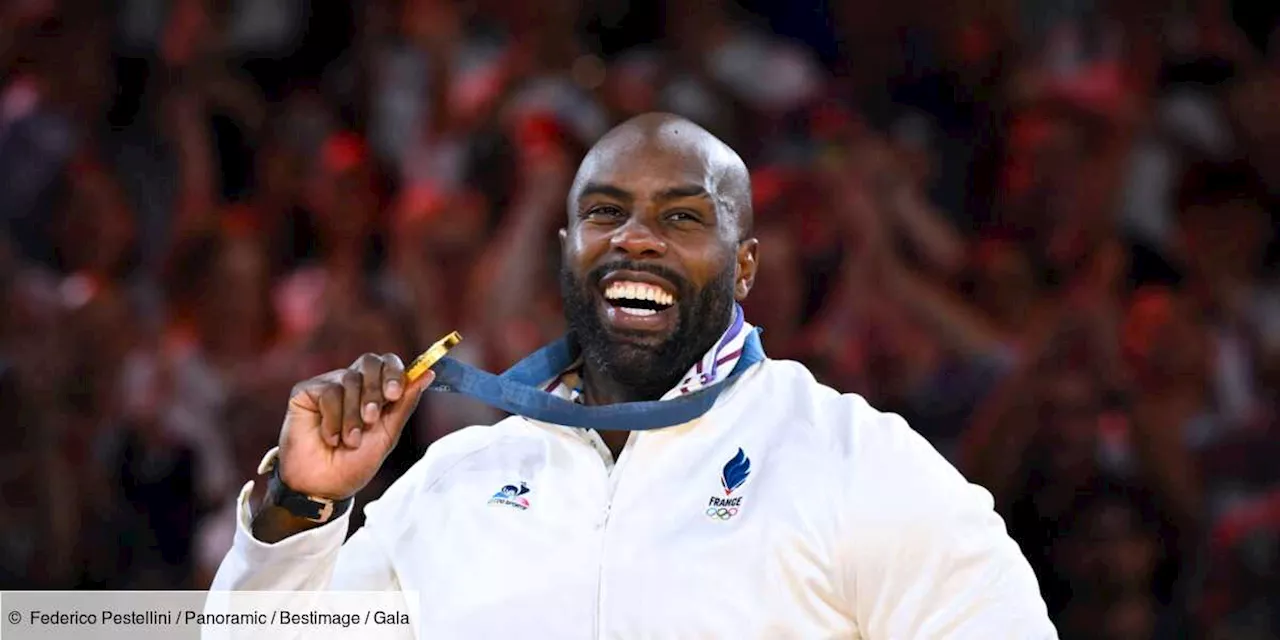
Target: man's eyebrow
(685,191)
(608,190)
(618,193)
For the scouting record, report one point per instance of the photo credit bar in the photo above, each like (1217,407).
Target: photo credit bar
(208,615)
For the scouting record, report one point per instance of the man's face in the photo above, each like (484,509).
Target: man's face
(652,260)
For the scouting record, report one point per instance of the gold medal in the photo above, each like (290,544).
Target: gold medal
(424,362)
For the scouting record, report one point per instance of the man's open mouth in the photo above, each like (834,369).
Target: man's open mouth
(638,298)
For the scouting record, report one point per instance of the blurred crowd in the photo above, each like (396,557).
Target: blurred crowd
(1042,231)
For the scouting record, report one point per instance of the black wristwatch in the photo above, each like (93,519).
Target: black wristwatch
(313,508)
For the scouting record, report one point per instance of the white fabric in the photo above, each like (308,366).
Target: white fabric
(850,525)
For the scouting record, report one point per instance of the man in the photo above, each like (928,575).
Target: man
(785,510)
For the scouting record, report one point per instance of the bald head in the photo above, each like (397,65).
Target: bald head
(666,143)
(662,207)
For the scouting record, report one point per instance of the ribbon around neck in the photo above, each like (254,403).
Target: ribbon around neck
(516,391)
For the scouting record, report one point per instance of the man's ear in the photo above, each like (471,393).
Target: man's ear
(746,271)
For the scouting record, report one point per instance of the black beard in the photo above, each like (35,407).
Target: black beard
(631,359)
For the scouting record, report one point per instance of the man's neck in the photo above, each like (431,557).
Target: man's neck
(599,388)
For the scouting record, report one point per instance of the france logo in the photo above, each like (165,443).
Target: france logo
(732,476)
(735,472)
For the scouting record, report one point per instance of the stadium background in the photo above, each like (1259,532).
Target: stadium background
(1043,231)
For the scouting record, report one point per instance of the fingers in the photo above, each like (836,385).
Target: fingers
(371,400)
(328,398)
(372,391)
(382,382)
(322,397)
(352,384)
(398,413)
(382,389)
(392,377)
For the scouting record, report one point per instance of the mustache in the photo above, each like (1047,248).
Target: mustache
(683,287)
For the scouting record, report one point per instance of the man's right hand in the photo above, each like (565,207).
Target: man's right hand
(339,428)
(341,425)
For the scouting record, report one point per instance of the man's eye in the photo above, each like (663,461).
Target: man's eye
(683,216)
(606,212)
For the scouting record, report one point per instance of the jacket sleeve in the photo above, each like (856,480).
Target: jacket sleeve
(313,560)
(929,556)
(318,559)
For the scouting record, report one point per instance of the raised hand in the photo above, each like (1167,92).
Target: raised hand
(341,425)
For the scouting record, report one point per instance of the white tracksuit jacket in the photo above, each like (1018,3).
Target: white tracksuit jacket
(838,521)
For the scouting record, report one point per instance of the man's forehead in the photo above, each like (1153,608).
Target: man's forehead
(648,162)
(672,151)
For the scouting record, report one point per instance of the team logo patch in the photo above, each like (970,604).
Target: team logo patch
(732,477)
(512,496)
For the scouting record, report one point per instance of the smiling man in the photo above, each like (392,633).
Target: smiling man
(763,504)
(656,251)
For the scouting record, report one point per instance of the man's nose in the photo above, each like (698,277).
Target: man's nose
(638,240)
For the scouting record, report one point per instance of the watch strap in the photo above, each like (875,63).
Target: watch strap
(314,508)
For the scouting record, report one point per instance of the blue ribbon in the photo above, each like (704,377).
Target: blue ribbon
(516,391)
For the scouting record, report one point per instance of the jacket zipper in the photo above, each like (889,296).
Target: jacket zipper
(612,478)
(604,530)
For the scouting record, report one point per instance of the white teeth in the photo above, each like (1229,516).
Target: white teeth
(637,312)
(638,291)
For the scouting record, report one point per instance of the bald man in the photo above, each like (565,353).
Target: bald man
(782,509)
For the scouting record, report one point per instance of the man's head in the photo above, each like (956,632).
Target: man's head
(656,250)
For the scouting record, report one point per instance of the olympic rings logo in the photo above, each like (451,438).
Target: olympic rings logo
(721,513)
